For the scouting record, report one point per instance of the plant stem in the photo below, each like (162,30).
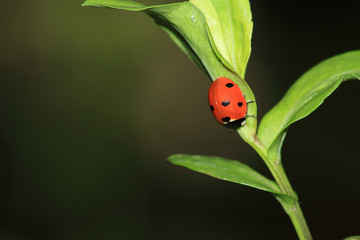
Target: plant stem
(294,211)
(298,220)
(292,208)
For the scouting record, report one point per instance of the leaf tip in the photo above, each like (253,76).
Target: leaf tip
(174,158)
(87,3)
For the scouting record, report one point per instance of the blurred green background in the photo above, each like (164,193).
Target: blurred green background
(93,101)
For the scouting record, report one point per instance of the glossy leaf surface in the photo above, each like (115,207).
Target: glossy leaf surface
(225,169)
(230,24)
(305,95)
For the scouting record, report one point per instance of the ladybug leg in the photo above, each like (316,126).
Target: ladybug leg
(252,116)
(244,121)
(249,101)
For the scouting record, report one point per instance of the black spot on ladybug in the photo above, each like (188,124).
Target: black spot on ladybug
(229,85)
(225,103)
(212,108)
(240,104)
(226,119)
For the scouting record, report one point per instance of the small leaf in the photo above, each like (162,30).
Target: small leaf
(305,95)
(228,170)
(233,171)
(230,24)
(353,238)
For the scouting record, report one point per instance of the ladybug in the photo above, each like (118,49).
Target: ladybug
(227,102)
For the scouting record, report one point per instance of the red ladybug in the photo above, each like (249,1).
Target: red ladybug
(227,103)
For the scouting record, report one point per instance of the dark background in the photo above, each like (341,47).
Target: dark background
(94,100)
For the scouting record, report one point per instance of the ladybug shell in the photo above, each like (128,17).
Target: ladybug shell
(227,103)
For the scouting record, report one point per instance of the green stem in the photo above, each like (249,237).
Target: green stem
(293,210)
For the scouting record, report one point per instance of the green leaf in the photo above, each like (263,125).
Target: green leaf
(230,24)
(233,171)
(186,25)
(122,4)
(353,238)
(228,170)
(305,95)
